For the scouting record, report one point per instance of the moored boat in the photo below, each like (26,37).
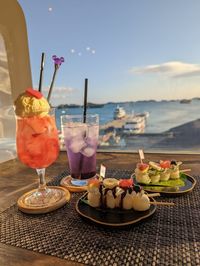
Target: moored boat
(119,112)
(144,114)
(135,125)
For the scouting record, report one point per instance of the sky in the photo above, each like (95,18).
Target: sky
(128,49)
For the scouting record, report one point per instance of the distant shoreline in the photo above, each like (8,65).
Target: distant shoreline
(99,105)
(89,105)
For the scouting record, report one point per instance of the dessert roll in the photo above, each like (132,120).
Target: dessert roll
(154,172)
(174,170)
(94,195)
(165,175)
(165,170)
(141,173)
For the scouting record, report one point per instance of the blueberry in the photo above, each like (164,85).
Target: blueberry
(137,188)
(173,162)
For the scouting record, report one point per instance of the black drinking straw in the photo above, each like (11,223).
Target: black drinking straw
(84,120)
(41,72)
(85,101)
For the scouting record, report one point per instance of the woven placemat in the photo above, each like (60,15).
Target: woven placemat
(170,237)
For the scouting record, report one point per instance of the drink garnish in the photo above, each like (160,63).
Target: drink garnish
(57,63)
(34,93)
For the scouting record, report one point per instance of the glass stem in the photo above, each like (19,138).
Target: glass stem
(42,182)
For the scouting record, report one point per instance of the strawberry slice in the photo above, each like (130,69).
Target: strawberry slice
(142,166)
(123,183)
(165,164)
(34,93)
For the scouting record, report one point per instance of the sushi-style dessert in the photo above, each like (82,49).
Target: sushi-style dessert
(112,193)
(152,172)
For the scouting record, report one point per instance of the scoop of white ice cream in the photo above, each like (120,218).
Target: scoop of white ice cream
(110,200)
(140,202)
(94,199)
(128,201)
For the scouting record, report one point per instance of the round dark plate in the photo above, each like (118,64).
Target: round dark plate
(112,217)
(189,181)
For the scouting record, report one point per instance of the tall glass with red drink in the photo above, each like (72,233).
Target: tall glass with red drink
(38,147)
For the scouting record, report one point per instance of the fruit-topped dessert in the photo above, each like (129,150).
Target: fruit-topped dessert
(141,173)
(112,193)
(165,171)
(152,172)
(175,170)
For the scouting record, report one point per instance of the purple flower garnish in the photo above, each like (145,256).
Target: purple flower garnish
(58,60)
(57,63)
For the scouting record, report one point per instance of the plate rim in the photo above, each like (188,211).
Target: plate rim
(111,224)
(175,192)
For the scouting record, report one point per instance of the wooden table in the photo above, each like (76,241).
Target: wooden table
(15,179)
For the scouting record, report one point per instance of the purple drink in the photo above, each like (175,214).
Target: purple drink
(81,141)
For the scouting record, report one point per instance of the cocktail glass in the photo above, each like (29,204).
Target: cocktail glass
(81,140)
(38,147)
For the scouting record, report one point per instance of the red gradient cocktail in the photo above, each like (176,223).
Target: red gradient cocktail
(38,147)
(37,141)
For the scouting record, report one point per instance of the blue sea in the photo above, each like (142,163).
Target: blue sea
(163,114)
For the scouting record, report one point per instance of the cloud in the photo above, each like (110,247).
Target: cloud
(175,69)
(189,74)
(60,92)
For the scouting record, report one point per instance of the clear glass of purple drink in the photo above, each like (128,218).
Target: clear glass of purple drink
(81,140)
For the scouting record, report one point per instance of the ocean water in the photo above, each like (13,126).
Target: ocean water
(164,115)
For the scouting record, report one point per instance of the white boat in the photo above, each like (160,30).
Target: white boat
(144,114)
(135,125)
(119,112)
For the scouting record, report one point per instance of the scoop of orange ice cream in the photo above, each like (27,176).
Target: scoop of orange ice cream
(31,103)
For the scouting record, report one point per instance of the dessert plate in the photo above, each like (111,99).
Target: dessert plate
(111,217)
(189,183)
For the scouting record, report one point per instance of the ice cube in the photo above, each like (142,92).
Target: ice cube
(88,151)
(79,131)
(77,145)
(93,132)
